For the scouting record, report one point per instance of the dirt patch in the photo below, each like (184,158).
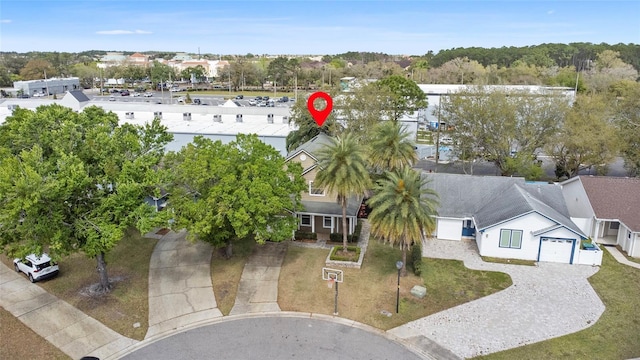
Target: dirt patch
(163,231)
(17,341)
(95,291)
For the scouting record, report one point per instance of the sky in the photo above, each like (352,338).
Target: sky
(310,27)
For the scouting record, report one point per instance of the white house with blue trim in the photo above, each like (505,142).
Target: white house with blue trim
(510,218)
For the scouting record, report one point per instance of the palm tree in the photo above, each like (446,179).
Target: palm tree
(403,208)
(343,171)
(391,148)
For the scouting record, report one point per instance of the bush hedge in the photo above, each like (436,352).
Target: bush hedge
(304,235)
(353,238)
(416,259)
(336,257)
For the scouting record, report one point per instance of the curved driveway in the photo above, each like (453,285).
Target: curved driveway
(282,336)
(545,301)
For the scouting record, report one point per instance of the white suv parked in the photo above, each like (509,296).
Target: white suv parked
(36,267)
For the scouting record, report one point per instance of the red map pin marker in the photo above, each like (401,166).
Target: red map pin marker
(320,115)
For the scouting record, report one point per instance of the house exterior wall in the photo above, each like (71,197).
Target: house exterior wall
(327,197)
(576,199)
(489,240)
(584,224)
(629,241)
(449,229)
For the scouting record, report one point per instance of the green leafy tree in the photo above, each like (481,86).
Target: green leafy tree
(391,148)
(406,97)
(403,209)
(494,125)
(307,128)
(343,171)
(222,193)
(628,125)
(75,181)
(161,72)
(587,139)
(35,70)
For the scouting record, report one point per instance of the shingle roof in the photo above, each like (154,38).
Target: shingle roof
(520,199)
(493,199)
(332,208)
(462,196)
(79,95)
(312,146)
(614,198)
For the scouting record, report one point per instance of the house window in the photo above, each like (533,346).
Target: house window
(511,238)
(305,220)
(327,222)
(315,191)
(614,225)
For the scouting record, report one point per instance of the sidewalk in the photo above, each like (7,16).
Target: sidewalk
(64,326)
(180,290)
(620,256)
(258,289)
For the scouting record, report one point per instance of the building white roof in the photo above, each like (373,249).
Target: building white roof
(254,120)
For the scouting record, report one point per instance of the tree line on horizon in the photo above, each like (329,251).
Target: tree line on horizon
(534,65)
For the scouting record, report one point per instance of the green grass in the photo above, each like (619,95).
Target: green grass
(371,289)
(128,302)
(616,335)
(352,253)
(508,261)
(632,259)
(226,273)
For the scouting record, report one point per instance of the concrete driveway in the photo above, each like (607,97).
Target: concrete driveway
(544,302)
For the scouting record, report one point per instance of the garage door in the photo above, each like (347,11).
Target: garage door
(556,250)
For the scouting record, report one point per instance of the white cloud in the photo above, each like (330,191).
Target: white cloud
(5,21)
(122,32)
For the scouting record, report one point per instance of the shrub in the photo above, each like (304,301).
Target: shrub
(353,238)
(416,259)
(351,249)
(304,235)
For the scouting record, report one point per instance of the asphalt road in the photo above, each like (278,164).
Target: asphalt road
(275,338)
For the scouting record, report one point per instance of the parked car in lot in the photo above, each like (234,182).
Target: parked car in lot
(148,94)
(239,97)
(112,98)
(197,101)
(36,267)
(124,93)
(252,102)
(258,98)
(283,99)
(136,94)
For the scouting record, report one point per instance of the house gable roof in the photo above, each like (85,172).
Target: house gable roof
(521,199)
(311,147)
(79,96)
(614,198)
(461,196)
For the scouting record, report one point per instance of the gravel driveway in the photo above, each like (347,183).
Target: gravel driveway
(545,301)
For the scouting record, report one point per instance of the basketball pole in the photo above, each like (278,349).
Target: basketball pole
(335,306)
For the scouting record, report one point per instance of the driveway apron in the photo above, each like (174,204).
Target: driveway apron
(258,289)
(64,326)
(545,301)
(180,290)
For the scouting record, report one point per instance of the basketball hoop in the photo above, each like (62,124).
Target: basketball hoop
(330,283)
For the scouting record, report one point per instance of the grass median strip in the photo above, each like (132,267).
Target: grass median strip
(226,273)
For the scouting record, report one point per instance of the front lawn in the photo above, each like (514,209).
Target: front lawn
(368,291)
(226,273)
(17,341)
(127,304)
(616,335)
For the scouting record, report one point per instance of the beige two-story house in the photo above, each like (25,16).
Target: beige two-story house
(322,212)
